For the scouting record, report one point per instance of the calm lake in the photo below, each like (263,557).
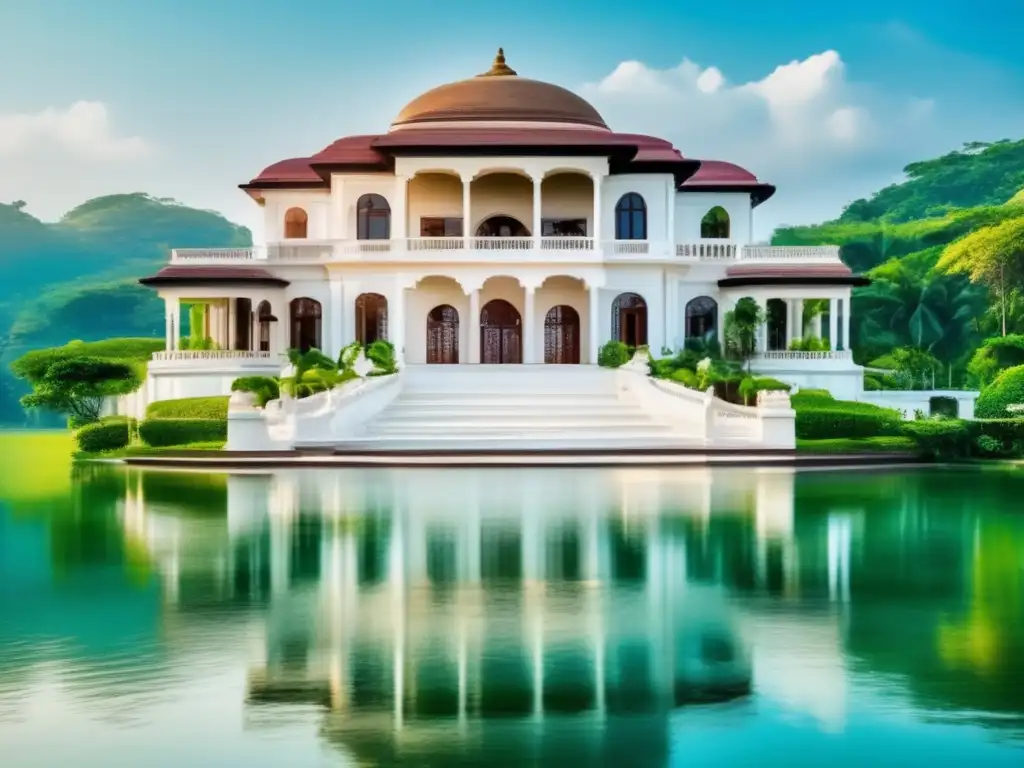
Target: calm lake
(509,618)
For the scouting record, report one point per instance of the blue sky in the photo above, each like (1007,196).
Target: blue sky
(188,98)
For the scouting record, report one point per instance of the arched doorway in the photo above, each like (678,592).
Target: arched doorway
(629,319)
(562,335)
(500,333)
(306,315)
(371,318)
(443,335)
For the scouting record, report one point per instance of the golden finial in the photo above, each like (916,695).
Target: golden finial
(499,68)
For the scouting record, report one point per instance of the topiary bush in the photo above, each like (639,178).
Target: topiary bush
(160,433)
(997,438)
(613,354)
(190,408)
(945,439)
(266,388)
(1006,389)
(751,385)
(109,434)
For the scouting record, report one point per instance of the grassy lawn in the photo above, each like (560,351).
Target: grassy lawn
(857,445)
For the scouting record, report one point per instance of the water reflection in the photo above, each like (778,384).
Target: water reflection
(456,617)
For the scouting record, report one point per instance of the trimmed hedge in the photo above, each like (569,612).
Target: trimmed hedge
(751,385)
(997,438)
(266,388)
(839,445)
(940,439)
(190,408)
(819,416)
(109,434)
(1006,389)
(163,432)
(613,354)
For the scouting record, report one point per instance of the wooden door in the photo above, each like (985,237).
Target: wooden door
(500,333)
(443,335)
(562,335)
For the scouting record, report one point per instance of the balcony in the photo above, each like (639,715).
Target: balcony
(239,362)
(509,249)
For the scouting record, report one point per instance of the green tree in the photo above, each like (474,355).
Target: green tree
(992,256)
(78,387)
(741,327)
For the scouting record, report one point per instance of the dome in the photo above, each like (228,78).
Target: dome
(499,95)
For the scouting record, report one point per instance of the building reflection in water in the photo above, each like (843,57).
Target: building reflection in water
(469,613)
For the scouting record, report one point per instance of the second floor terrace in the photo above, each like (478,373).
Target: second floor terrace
(509,249)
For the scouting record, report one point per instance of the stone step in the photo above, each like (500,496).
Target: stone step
(511,443)
(500,409)
(513,427)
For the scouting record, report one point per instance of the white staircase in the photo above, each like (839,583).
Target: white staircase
(513,407)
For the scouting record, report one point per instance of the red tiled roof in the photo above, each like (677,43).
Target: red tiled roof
(789,270)
(718,172)
(351,150)
(198,275)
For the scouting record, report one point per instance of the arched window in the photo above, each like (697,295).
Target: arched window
(305,315)
(264,318)
(631,217)
(295,224)
(701,317)
(715,224)
(373,218)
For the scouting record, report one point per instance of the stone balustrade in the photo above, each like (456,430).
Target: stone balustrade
(525,248)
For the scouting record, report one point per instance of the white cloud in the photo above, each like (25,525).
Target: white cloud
(804,126)
(83,130)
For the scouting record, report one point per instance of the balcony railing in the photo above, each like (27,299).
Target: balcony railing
(583,247)
(178,355)
(791,354)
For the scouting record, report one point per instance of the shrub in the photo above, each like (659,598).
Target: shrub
(348,355)
(382,354)
(190,408)
(813,397)
(835,445)
(662,368)
(996,354)
(79,386)
(997,437)
(751,385)
(167,432)
(1006,389)
(265,388)
(946,439)
(109,434)
(686,377)
(809,344)
(613,354)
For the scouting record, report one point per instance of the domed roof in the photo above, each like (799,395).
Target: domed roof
(499,95)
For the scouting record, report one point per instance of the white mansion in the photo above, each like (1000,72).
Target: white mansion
(499,220)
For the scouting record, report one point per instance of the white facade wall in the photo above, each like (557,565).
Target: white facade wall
(692,206)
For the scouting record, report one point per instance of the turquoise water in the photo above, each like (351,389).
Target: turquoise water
(447,618)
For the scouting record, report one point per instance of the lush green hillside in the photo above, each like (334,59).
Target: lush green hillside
(899,235)
(76,278)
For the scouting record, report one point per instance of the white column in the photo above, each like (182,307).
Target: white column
(474,326)
(537,181)
(172,323)
(816,326)
(833,312)
(399,215)
(467,221)
(529,342)
(846,322)
(762,331)
(596,234)
(335,320)
(798,321)
(396,321)
(671,218)
(595,324)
